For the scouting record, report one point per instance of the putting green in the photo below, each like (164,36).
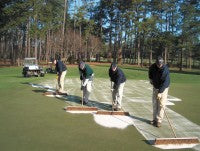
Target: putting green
(137,101)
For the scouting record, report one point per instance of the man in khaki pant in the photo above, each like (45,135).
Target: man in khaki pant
(86,77)
(159,78)
(61,72)
(117,76)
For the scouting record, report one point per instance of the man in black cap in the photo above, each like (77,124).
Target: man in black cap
(117,76)
(61,72)
(160,79)
(86,77)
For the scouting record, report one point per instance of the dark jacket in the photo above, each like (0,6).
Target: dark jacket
(159,76)
(86,73)
(60,66)
(117,76)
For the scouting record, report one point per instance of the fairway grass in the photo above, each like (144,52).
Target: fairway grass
(30,121)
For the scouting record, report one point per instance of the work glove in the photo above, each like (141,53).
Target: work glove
(111,90)
(81,77)
(82,87)
(85,82)
(159,96)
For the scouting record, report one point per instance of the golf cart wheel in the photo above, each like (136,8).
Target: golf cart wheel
(42,74)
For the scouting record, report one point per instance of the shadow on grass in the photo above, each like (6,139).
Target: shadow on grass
(140,119)
(149,142)
(74,100)
(25,83)
(78,101)
(39,91)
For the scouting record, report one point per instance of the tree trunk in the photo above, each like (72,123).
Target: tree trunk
(151,53)
(165,55)
(119,60)
(36,41)
(40,51)
(190,60)
(138,52)
(181,60)
(29,41)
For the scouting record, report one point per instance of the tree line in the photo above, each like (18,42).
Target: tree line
(125,31)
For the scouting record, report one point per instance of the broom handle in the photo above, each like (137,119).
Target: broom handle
(111,87)
(56,83)
(169,121)
(82,92)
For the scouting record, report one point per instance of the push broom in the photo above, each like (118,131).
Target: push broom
(82,109)
(175,141)
(104,112)
(56,92)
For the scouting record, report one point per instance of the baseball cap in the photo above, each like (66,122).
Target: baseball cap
(82,65)
(159,60)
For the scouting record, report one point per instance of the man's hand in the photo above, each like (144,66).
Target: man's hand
(159,96)
(82,87)
(115,86)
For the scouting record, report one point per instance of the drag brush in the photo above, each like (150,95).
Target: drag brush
(176,143)
(113,113)
(81,109)
(184,140)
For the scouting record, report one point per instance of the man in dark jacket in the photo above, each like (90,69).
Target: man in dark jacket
(61,72)
(117,76)
(160,79)
(86,77)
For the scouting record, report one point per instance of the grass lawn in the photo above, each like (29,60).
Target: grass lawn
(30,121)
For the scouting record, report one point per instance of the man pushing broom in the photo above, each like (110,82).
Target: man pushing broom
(117,76)
(86,77)
(159,78)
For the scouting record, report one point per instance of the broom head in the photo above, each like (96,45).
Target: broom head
(80,108)
(176,141)
(113,113)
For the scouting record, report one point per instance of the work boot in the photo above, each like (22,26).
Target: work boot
(158,124)
(85,103)
(114,106)
(154,123)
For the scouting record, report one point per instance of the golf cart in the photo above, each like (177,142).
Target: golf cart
(31,68)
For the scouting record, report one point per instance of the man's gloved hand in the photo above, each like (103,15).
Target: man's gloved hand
(159,96)
(81,77)
(82,87)
(115,86)
(111,90)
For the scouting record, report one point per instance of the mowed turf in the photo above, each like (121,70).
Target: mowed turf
(31,121)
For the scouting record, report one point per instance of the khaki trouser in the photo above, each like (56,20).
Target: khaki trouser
(87,90)
(61,82)
(158,111)
(117,95)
